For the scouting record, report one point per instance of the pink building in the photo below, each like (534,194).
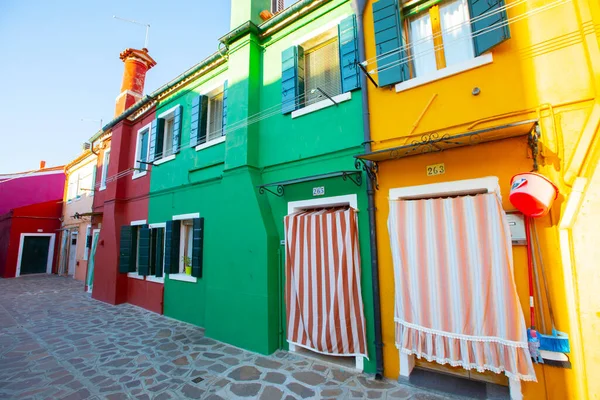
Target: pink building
(31,187)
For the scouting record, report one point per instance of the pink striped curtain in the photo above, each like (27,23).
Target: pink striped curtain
(323,294)
(456,299)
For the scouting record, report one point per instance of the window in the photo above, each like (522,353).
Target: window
(322,67)
(186,244)
(105,162)
(167,149)
(157,251)
(73,186)
(88,242)
(142,151)
(164,135)
(440,37)
(280,5)
(215,115)
(322,70)
(184,238)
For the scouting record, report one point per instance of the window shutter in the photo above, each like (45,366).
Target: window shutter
(202,119)
(392,63)
(348,42)
(127,250)
(488,31)
(144,250)
(197,247)
(292,79)
(158,236)
(195,121)
(160,137)
(177,128)
(172,233)
(224,126)
(153,136)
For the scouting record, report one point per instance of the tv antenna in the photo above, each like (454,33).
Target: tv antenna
(137,23)
(92,120)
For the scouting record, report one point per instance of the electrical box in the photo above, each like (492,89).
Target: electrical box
(516,222)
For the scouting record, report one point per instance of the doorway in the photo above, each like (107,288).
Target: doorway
(89,278)
(72,253)
(35,254)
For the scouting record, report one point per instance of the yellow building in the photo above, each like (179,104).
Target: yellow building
(501,88)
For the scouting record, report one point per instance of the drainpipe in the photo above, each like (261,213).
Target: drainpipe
(359,8)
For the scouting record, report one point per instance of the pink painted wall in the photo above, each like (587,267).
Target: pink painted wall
(36,188)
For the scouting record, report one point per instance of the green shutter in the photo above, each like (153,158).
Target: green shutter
(172,233)
(225,87)
(198,130)
(127,249)
(158,237)
(144,251)
(197,247)
(292,79)
(177,122)
(203,119)
(160,137)
(348,43)
(392,63)
(153,136)
(488,31)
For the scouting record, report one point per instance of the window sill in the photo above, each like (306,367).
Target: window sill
(322,104)
(183,278)
(211,143)
(102,188)
(135,275)
(155,279)
(139,174)
(446,72)
(164,160)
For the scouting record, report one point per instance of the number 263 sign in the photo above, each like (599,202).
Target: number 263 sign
(436,169)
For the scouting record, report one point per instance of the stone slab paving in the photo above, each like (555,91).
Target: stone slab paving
(58,343)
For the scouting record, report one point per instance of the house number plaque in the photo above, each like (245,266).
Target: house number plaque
(319,191)
(436,169)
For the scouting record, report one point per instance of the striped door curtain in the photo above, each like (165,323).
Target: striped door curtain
(323,293)
(456,299)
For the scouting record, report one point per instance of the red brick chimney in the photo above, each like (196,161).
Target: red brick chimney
(137,63)
(42,164)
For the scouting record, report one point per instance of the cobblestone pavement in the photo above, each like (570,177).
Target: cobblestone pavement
(58,343)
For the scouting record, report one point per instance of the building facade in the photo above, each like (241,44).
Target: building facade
(484,83)
(76,230)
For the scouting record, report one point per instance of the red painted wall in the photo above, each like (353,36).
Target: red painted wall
(32,189)
(35,218)
(124,200)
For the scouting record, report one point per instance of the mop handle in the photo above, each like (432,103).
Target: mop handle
(530,269)
(539,252)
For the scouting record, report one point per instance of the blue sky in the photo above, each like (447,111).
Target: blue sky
(60,63)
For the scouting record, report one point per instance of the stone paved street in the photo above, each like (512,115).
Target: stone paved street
(58,343)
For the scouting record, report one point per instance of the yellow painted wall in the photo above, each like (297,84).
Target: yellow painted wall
(549,70)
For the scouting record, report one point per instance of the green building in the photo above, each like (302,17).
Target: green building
(263,128)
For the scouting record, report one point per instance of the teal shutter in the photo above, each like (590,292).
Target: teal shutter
(392,63)
(144,251)
(224,126)
(488,31)
(292,79)
(158,237)
(197,247)
(127,249)
(177,128)
(153,136)
(348,43)
(172,233)
(203,119)
(160,136)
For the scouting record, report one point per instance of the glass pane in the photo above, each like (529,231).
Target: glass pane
(322,70)
(421,43)
(215,119)
(143,149)
(168,141)
(456,32)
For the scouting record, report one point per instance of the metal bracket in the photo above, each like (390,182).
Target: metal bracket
(370,167)
(358,177)
(328,96)
(278,192)
(367,74)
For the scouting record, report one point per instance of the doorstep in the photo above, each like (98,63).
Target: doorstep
(456,386)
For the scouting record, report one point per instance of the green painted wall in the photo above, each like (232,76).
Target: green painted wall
(239,298)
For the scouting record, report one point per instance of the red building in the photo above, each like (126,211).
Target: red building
(30,207)
(122,186)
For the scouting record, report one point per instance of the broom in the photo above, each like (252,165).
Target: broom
(552,347)
(532,335)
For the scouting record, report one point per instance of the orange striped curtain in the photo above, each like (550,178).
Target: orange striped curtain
(323,293)
(456,299)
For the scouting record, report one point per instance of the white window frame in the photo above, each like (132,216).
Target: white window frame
(136,275)
(104,173)
(74,174)
(333,201)
(138,151)
(153,278)
(166,115)
(50,251)
(182,276)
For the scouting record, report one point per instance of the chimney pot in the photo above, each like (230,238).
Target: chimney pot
(42,164)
